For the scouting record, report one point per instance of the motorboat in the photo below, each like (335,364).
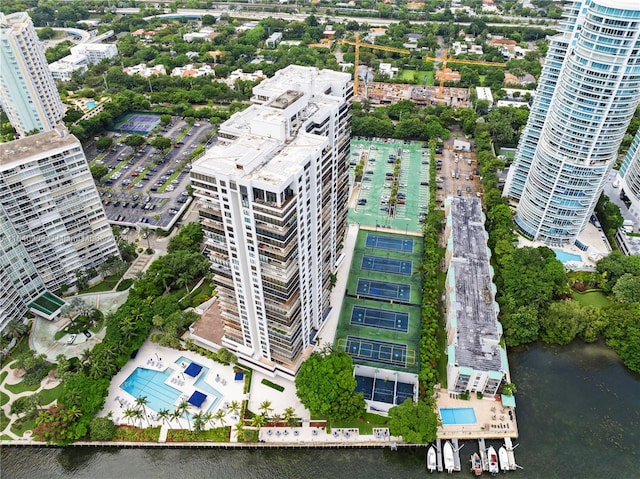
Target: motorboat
(447,455)
(432,462)
(503,457)
(476,464)
(493,461)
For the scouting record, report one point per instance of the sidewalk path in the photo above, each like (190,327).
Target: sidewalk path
(46,383)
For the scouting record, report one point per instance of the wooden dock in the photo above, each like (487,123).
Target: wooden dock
(439,455)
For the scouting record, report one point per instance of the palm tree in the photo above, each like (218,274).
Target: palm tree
(288,415)
(141,402)
(275,419)
(184,407)
(165,416)
(259,420)
(146,232)
(239,429)
(130,414)
(183,281)
(175,415)
(15,328)
(265,407)
(235,407)
(208,418)
(219,416)
(198,421)
(138,415)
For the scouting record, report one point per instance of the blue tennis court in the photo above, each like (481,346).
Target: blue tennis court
(380,318)
(386,265)
(383,391)
(383,290)
(390,243)
(382,352)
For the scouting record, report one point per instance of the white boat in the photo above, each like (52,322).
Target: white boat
(432,462)
(492,457)
(447,455)
(504,459)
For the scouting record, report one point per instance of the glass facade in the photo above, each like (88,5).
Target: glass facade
(587,95)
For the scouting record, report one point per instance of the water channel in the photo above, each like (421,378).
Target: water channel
(578,413)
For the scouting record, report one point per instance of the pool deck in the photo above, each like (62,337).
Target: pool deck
(493,418)
(157,358)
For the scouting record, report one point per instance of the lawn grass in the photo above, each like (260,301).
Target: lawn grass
(21,387)
(4,420)
(3,376)
(124,284)
(4,398)
(19,431)
(591,298)
(107,284)
(365,424)
(49,395)
(4,437)
(20,348)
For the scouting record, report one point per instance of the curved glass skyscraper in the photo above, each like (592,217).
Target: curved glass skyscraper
(630,176)
(588,92)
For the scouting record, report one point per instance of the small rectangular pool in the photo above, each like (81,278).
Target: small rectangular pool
(458,415)
(565,257)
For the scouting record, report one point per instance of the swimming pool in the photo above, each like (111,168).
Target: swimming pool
(458,415)
(149,383)
(90,104)
(567,257)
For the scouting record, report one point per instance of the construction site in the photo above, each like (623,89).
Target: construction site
(379,93)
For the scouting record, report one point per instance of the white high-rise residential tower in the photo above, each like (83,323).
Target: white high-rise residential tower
(272,194)
(28,93)
(586,97)
(49,197)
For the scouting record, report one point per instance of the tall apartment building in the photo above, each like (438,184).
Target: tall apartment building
(50,207)
(586,97)
(20,282)
(272,195)
(630,177)
(477,362)
(27,91)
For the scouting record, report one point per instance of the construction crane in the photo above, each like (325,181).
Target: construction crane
(445,59)
(359,44)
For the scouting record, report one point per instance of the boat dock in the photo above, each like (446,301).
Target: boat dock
(510,455)
(483,454)
(456,454)
(482,450)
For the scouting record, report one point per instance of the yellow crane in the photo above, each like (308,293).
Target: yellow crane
(359,44)
(445,59)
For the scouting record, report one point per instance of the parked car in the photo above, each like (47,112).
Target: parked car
(72,339)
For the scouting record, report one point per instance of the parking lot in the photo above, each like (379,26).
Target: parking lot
(148,186)
(372,206)
(457,170)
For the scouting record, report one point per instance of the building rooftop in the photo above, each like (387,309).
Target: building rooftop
(16,151)
(478,330)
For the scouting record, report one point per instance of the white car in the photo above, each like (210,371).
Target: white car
(72,338)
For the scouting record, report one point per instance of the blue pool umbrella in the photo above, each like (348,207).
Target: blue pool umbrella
(193,369)
(197,398)
(239,376)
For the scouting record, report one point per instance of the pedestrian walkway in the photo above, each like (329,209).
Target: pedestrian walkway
(12,378)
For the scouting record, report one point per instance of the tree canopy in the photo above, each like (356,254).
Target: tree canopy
(417,423)
(325,385)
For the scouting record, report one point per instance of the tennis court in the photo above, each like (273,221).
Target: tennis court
(386,265)
(382,352)
(137,123)
(380,318)
(390,243)
(383,290)
(383,391)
